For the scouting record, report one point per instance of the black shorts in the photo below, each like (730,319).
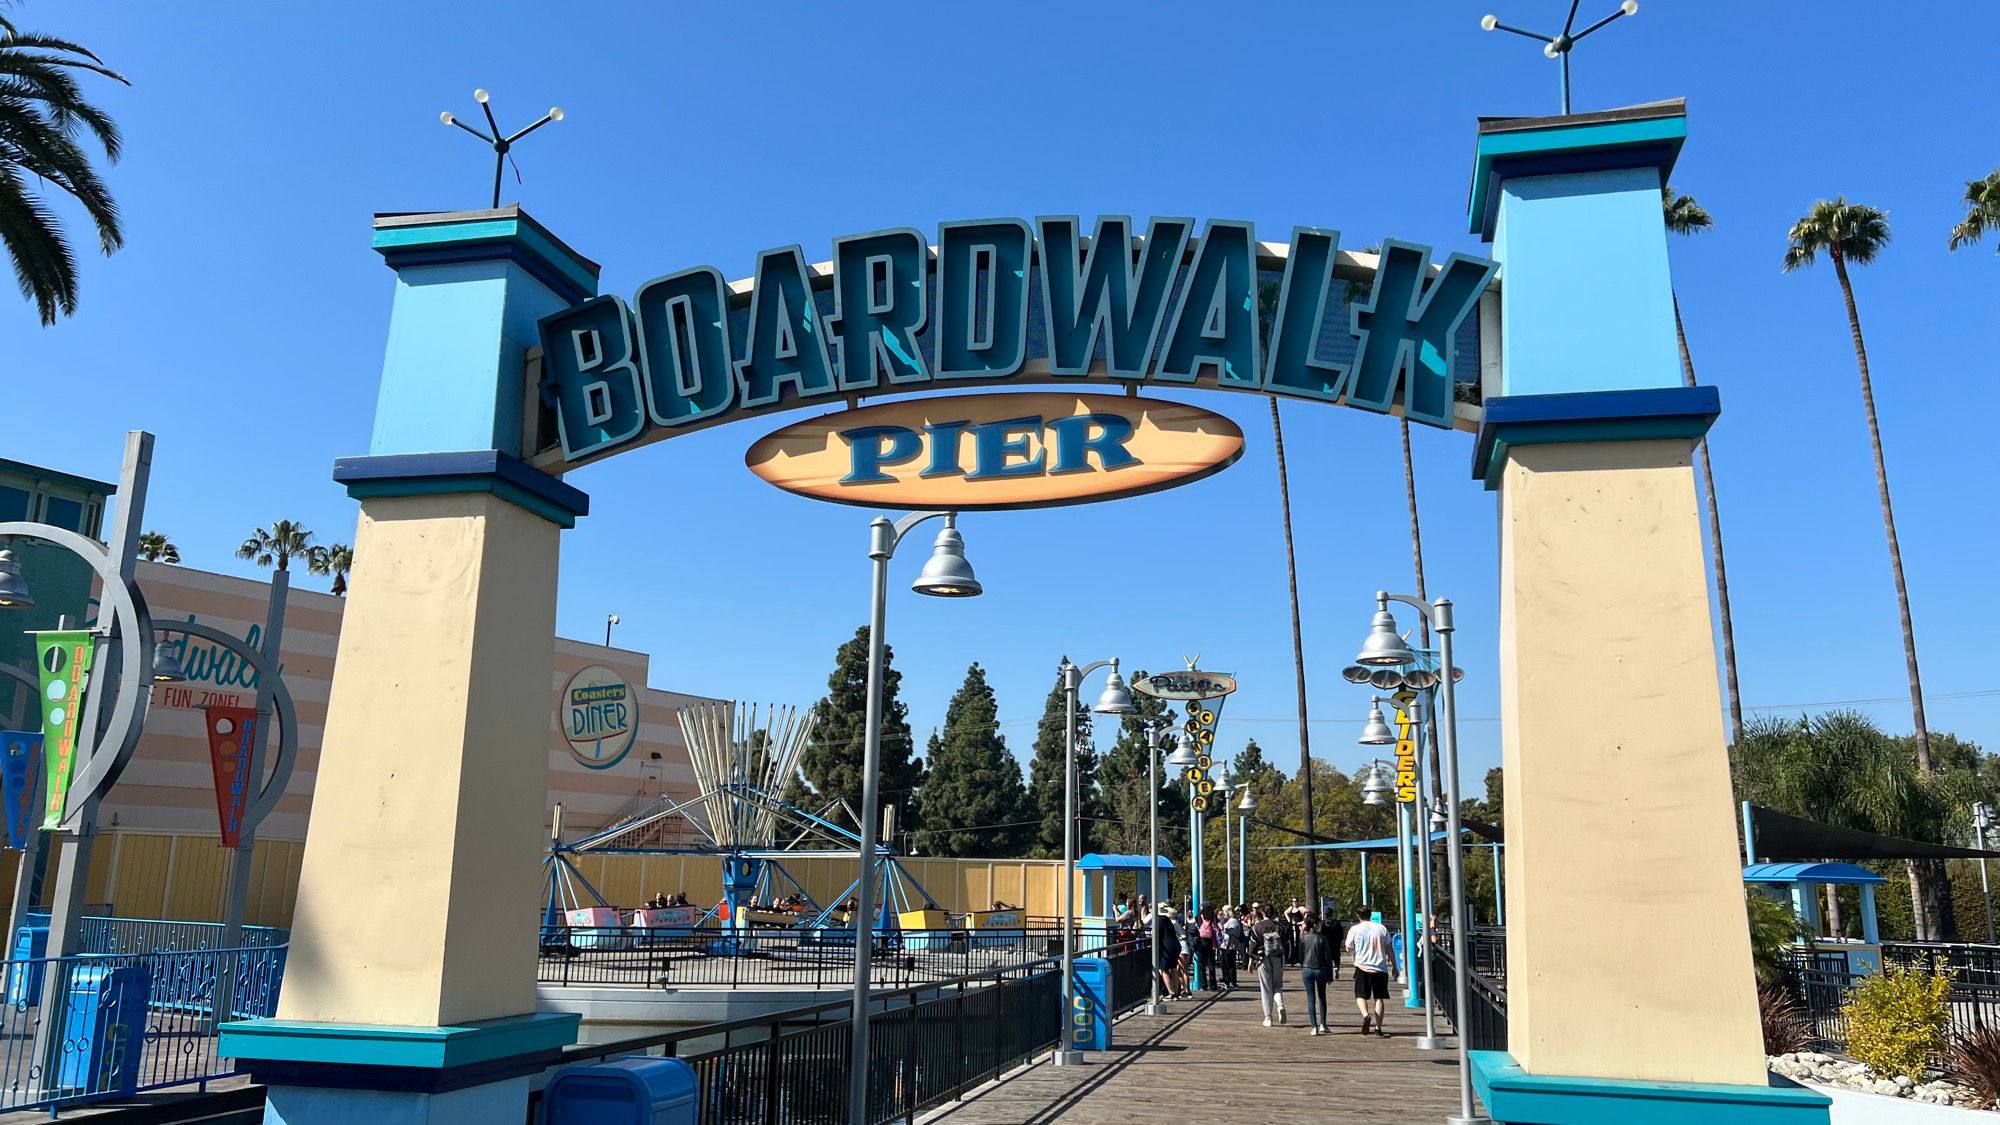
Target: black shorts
(1370,985)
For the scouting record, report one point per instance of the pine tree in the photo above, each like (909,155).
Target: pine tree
(1045,779)
(1249,765)
(831,763)
(1125,784)
(972,791)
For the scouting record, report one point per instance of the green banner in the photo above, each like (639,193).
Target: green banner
(64,657)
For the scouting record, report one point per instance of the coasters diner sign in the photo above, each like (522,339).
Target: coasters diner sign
(1000,299)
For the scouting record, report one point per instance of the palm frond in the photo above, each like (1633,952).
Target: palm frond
(44,265)
(1682,214)
(1982,199)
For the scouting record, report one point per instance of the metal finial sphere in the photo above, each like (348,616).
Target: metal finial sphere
(502,144)
(1559,45)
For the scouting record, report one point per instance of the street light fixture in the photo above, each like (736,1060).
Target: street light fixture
(1155,738)
(1223,789)
(948,575)
(951,579)
(1559,46)
(1383,646)
(167,664)
(1377,732)
(13,588)
(1982,823)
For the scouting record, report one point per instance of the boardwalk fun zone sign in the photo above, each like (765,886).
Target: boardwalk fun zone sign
(999,301)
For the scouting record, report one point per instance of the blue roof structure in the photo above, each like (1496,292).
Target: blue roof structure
(1846,874)
(1093,861)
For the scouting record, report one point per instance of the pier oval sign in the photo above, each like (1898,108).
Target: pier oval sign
(990,452)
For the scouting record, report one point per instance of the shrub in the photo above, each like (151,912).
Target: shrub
(1773,928)
(1786,1028)
(1898,1020)
(1974,1059)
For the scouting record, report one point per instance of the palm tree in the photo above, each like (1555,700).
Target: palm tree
(155,547)
(336,560)
(1852,232)
(1982,198)
(1267,302)
(285,541)
(1685,217)
(42,113)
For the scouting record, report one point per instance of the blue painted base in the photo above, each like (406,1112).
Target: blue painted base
(479,1105)
(1516,1097)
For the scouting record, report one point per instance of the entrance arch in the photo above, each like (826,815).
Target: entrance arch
(504,368)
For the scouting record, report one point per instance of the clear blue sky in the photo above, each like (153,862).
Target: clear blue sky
(244,322)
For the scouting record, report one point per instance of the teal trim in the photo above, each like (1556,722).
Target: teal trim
(461,485)
(1601,429)
(1669,131)
(518,229)
(1515,1097)
(428,1048)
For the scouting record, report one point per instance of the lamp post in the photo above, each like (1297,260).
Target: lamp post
(1414,873)
(1982,822)
(1373,793)
(1384,648)
(1155,738)
(1115,700)
(610,619)
(1246,806)
(946,574)
(1223,789)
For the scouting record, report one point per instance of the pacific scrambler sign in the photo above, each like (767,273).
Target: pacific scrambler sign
(1003,299)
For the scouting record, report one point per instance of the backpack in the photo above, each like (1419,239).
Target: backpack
(1274,942)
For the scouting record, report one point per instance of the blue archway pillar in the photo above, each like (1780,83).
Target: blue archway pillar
(1628,954)
(409,993)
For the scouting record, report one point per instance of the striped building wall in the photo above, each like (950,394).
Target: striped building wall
(160,855)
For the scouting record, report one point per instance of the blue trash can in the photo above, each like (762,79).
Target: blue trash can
(24,981)
(635,1090)
(104,1028)
(1090,1017)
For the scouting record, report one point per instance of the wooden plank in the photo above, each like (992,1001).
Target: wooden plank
(1216,1054)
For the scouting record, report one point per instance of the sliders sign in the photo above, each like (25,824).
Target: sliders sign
(1003,299)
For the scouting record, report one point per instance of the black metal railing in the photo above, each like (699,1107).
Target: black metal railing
(1484,1026)
(632,958)
(1823,986)
(927,1045)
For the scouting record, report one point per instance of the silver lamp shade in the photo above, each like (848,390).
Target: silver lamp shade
(1248,803)
(1183,757)
(946,574)
(1377,731)
(167,663)
(1384,646)
(13,588)
(1116,698)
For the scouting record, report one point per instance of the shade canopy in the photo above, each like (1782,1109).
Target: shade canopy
(1781,836)
(1843,873)
(1094,861)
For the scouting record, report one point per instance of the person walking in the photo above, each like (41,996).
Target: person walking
(1335,934)
(1233,942)
(1267,950)
(1368,942)
(1315,964)
(1206,934)
(1295,918)
(1167,955)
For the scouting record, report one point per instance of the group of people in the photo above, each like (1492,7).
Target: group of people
(662,902)
(1216,943)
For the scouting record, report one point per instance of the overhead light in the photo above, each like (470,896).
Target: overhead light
(167,663)
(1384,646)
(1388,679)
(946,574)
(1420,679)
(1183,756)
(1377,732)
(1249,802)
(1355,674)
(13,588)
(1116,699)
(1375,786)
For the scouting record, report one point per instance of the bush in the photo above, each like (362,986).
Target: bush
(1785,1026)
(1974,1060)
(1773,929)
(1898,1020)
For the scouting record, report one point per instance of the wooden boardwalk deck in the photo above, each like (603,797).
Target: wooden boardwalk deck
(1216,1056)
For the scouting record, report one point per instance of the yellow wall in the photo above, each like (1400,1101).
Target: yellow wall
(147,875)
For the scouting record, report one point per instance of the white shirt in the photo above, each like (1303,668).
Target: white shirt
(1368,941)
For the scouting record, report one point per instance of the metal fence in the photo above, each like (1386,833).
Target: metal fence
(77,1029)
(1484,1027)
(631,958)
(144,935)
(1823,987)
(926,1045)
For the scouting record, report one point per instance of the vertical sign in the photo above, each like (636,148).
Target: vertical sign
(20,776)
(232,732)
(1406,747)
(64,656)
